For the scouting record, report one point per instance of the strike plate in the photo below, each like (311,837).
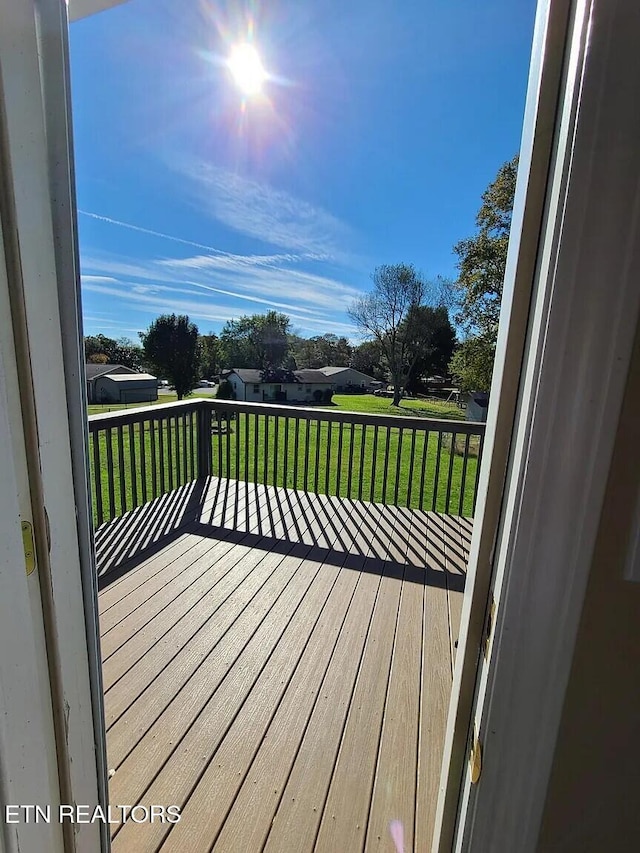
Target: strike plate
(28,546)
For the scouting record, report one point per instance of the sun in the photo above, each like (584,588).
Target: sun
(247,70)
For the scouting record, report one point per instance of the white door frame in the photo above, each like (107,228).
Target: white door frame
(535,535)
(40,245)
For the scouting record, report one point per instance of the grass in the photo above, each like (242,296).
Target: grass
(404,467)
(341,402)
(98,409)
(411,408)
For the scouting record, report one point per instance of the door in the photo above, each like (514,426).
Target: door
(569,317)
(51,722)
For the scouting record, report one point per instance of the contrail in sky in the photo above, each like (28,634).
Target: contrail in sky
(154,233)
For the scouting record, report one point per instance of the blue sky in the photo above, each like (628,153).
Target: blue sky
(378,129)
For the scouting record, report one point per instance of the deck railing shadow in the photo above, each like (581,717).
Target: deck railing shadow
(428,547)
(129,539)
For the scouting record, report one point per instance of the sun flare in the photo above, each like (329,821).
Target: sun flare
(247,70)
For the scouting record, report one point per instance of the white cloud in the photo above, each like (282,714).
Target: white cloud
(170,300)
(245,278)
(263,212)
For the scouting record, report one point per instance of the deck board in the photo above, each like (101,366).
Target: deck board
(278,664)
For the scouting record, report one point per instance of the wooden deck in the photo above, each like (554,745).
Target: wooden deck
(278,664)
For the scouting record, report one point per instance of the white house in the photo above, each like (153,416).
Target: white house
(349,379)
(279,386)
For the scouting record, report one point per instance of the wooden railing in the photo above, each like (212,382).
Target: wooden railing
(139,454)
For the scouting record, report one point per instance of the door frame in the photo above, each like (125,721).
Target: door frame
(40,245)
(552,436)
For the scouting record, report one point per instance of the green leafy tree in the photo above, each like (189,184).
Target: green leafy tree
(388,316)
(171,347)
(432,346)
(321,351)
(259,341)
(472,363)
(481,266)
(209,355)
(120,351)
(225,390)
(367,358)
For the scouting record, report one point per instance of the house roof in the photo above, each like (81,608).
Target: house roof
(251,376)
(332,371)
(94,370)
(310,376)
(329,371)
(129,377)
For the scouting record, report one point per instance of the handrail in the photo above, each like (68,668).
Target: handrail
(123,417)
(346,417)
(139,454)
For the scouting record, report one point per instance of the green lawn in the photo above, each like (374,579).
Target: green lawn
(408,468)
(95,409)
(343,402)
(411,408)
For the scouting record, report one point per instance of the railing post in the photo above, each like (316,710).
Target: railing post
(204,440)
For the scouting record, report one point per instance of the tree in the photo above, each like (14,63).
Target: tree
(481,266)
(225,391)
(209,355)
(171,346)
(367,358)
(472,364)
(388,316)
(432,346)
(258,340)
(321,351)
(121,351)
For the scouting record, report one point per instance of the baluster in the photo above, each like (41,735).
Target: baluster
(154,461)
(412,454)
(132,462)
(296,451)
(437,472)
(339,466)
(110,474)
(398,460)
(285,454)
(143,460)
(306,454)
(121,477)
(363,440)
(327,460)
(450,477)
(350,468)
(317,471)
(464,474)
(386,465)
(97,478)
(423,467)
(374,463)
(276,430)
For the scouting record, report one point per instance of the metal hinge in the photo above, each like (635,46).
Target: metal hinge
(491,621)
(475,758)
(28,546)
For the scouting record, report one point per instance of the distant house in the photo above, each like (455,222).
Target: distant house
(279,386)
(348,379)
(114,383)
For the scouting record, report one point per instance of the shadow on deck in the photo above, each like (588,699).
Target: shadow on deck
(283,703)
